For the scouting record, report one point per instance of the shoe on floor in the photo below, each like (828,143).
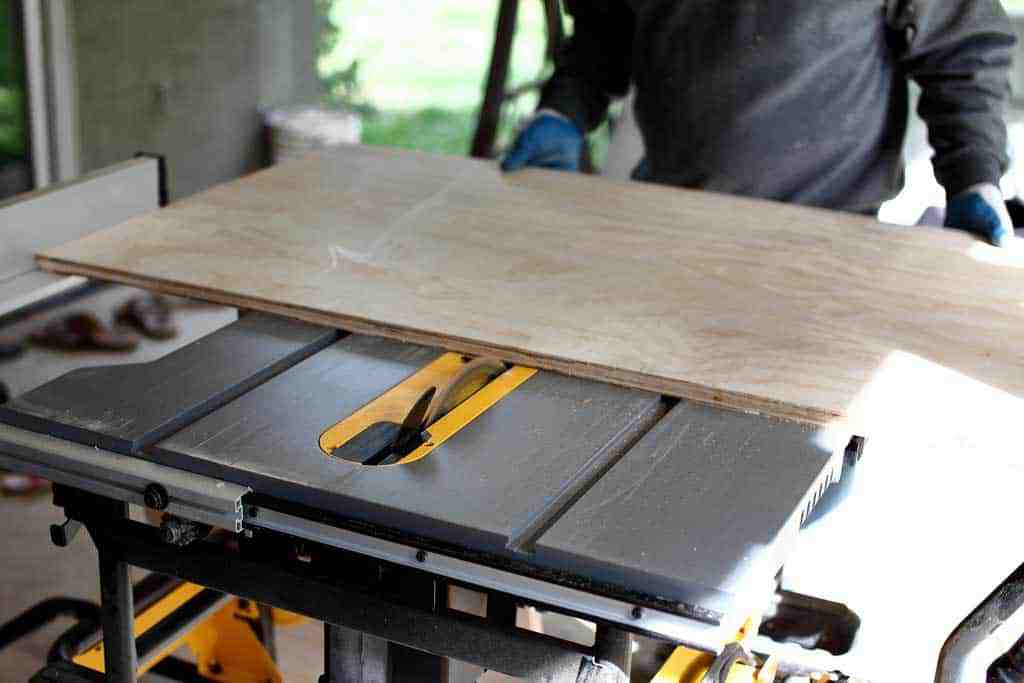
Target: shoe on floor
(81,332)
(150,315)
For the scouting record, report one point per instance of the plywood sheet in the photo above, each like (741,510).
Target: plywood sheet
(754,305)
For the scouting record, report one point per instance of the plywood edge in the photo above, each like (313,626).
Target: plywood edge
(679,389)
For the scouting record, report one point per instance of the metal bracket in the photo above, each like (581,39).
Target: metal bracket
(122,478)
(675,627)
(62,534)
(731,654)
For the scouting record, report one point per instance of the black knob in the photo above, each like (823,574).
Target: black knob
(155,496)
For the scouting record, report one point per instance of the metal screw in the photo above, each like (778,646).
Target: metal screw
(637,612)
(421,556)
(254,512)
(155,497)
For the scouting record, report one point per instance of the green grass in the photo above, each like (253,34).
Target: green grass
(12,123)
(446,131)
(421,54)
(12,96)
(422,67)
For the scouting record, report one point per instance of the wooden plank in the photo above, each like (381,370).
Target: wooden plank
(757,306)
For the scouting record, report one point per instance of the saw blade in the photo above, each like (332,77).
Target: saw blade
(469,380)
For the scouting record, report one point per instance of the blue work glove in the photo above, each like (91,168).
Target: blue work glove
(549,141)
(981,210)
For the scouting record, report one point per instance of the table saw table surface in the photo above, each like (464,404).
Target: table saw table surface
(572,480)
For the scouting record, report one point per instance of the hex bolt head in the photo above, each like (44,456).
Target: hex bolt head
(421,556)
(636,613)
(155,497)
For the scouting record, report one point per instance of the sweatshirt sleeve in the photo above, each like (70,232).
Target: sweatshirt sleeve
(594,64)
(959,52)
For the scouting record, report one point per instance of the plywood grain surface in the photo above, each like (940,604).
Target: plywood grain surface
(758,306)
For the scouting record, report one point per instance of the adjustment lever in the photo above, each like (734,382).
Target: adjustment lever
(63,534)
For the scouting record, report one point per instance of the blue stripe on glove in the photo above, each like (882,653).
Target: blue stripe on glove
(973,212)
(548,142)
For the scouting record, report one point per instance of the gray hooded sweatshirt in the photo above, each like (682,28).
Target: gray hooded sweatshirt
(802,101)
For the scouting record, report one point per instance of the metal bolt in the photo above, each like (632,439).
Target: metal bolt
(637,612)
(302,553)
(254,512)
(155,497)
(421,556)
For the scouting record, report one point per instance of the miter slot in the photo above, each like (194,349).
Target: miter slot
(705,508)
(522,539)
(124,408)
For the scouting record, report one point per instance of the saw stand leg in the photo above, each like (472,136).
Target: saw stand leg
(354,657)
(613,657)
(117,612)
(382,617)
(265,632)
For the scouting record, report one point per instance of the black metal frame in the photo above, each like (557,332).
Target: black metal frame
(1001,605)
(370,607)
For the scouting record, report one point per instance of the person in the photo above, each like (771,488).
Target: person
(791,100)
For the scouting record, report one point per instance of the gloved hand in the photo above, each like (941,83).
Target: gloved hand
(549,141)
(981,210)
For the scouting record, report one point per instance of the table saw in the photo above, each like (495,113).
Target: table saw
(668,518)
(352,479)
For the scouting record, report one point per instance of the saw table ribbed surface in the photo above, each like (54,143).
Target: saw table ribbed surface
(570,480)
(753,305)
